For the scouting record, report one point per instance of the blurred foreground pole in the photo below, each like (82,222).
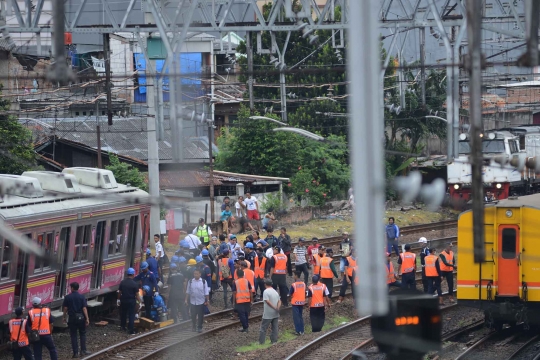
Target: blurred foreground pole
(474,21)
(366,141)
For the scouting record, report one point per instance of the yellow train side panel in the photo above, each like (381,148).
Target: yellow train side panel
(530,251)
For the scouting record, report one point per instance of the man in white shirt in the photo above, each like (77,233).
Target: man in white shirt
(252,206)
(234,247)
(197,293)
(159,252)
(240,206)
(193,241)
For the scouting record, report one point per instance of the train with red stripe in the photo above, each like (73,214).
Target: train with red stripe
(90,228)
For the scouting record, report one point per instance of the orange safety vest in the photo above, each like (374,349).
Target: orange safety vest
(248,264)
(16,325)
(326,271)
(280,268)
(431,269)
(235,277)
(390,278)
(260,267)
(317,295)
(449,259)
(299,295)
(353,266)
(408,262)
(250,276)
(317,267)
(224,262)
(44,327)
(242,291)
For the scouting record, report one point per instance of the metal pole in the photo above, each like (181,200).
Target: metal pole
(366,127)
(250,69)
(283,91)
(474,36)
(107,58)
(423,63)
(211,172)
(98,129)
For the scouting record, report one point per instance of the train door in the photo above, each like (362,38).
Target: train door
(61,248)
(509,261)
(21,276)
(132,240)
(98,254)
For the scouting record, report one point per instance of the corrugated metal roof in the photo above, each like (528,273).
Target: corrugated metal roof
(190,179)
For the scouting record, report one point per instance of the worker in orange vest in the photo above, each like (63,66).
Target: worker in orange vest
(390,273)
(40,319)
(350,276)
(278,273)
(448,265)
(407,268)
(433,274)
(317,260)
(320,302)
(19,329)
(328,270)
(248,274)
(261,270)
(242,299)
(297,292)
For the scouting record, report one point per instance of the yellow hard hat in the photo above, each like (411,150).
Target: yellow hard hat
(192,262)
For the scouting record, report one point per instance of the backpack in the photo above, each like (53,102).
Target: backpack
(225,270)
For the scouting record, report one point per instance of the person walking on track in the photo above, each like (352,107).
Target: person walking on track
(278,273)
(300,259)
(18,330)
(433,274)
(242,299)
(272,303)
(328,271)
(197,291)
(350,276)
(40,320)
(127,300)
(390,273)
(448,265)
(317,256)
(261,271)
(177,294)
(407,268)
(225,270)
(423,254)
(297,293)
(392,235)
(319,294)
(285,242)
(76,308)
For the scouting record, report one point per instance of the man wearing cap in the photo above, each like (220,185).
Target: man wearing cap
(127,300)
(272,303)
(407,268)
(153,265)
(250,254)
(390,273)
(319,294)
(423,254)
(328,270)
(76,307)
(299,256)
(261,270)
(18,330)
(226,271)
(203,232)
(146,277)
(448,265)
(40,319)
(312,250)
(286,245)
(278,273)
(212,265)
(177,294)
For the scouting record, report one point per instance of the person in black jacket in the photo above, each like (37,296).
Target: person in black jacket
(177,294)
(423,254)
(127,300)
(284,242)
(76,307)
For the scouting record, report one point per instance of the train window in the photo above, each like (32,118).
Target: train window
(44,241)
(116,237)
(513,147)
(509,244)
(5,255)
(82,241)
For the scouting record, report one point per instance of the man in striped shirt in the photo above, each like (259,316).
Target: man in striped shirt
(300,254)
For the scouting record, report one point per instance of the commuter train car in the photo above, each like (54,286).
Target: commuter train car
(520,142)
(82,222)
(507,284)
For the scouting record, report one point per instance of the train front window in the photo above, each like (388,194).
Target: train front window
(5,255)
(493,146)
(464,147)
(513,146)
(509,244)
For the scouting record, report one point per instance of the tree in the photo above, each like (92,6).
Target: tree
(125,173)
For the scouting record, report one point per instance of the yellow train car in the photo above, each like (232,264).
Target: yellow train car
(507,284)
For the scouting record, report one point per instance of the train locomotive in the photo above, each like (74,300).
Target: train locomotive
(85,226)
(501,181)
(506,286)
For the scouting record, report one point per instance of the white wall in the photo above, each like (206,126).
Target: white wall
(121,66)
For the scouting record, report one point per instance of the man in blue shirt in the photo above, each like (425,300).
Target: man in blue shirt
(152,264)
(147,278)
(392,235)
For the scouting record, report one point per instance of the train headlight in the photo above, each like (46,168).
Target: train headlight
(456,186)
(498,186)
(509,213)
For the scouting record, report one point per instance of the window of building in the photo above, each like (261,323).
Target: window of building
(84,113)
(77,113)
(44,241)
(82,240)
(5,256)
(116,237)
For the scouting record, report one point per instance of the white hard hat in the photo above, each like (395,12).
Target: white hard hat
(422,240)
(36,301)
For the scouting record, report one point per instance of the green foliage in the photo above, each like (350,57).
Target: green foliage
(125,173)
(273,203)
(16,152)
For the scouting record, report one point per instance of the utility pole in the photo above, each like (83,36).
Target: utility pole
(211,171)
(99,161)
(249,46)
(283,90)
(474,32)
(108,84)
(423,64)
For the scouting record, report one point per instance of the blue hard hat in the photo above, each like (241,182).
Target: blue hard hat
(249,245)
(232,236)
(131,271)
(185,245)
(144,265)
(174,259)
(181,259)
(148,252)
(173,266)
(146,288)
(198,259)
(205,252)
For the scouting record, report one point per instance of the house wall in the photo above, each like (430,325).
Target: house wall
(122,66)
